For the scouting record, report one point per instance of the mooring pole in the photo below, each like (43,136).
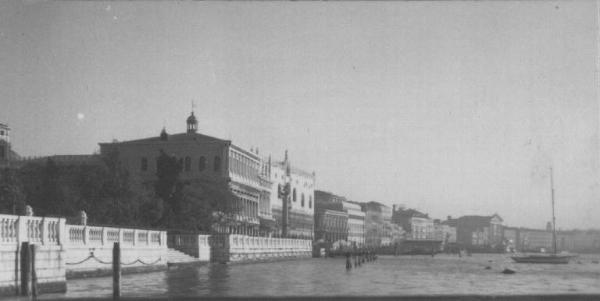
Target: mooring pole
(116,271)
(34,288)
(25,268)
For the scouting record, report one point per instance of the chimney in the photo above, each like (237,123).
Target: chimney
(449,217)
(394,208)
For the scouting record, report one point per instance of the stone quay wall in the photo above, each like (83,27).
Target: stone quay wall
(64,251)
(243,248)
(89,250)
(47,234)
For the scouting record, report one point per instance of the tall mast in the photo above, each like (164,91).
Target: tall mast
(553,217)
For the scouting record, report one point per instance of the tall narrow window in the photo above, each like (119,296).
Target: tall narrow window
(302,200)
(294,195)
(202,163)
(217,163)
(310,201)
(144,164)
(2,152)
(188,164)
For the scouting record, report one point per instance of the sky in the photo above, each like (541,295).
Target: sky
(452,108)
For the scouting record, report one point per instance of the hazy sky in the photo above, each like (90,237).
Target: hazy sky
(451,108)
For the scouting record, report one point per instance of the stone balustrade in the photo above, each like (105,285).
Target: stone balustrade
(249,248)
(64,251)
(48,233)
(92,236)
(147,246)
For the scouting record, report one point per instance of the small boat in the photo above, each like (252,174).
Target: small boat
(551,258)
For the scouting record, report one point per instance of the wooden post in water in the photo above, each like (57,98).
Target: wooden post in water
(116,271)
(25,269)
(34,288)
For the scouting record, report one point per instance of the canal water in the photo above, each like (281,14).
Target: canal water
(389,275)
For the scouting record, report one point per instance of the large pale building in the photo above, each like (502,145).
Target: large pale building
(301,209)
(203,158)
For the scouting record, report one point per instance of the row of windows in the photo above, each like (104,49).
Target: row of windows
(306,184)
(301,197)
(187,163)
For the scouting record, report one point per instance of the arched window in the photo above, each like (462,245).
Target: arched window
(217,164)
(144,164)
(302,199)
(310,201)
(202,163)
(188,164)
(294,195)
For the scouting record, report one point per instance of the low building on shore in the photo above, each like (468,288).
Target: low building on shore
(417,225)
(480,233)
(356,217)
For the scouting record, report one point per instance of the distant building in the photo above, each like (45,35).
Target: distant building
(417,225)
(378,230)
(61,160)
(7,155)
(581,241)
(480,232)
(449,233)
(203,158)
(301,208)
(331,220)
(265,212)
(511,238)
(356,217)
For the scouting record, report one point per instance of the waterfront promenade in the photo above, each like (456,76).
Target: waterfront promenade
(442,275)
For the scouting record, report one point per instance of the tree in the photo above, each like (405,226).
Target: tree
(12,195)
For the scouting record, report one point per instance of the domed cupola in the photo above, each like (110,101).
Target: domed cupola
(192,124)
(163,135)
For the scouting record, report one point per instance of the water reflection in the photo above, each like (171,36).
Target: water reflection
(218,279)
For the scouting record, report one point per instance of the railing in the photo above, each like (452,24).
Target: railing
(242,243)
(105,236)
(15,229)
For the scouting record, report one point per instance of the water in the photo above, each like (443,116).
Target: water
(403,275)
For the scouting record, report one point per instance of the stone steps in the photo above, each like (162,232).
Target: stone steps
(175,257)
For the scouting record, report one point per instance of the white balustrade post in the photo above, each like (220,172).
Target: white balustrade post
(120,236)
(104,236)
(44,231)
(86,235)
(62,231)
(135,232)
(148,237)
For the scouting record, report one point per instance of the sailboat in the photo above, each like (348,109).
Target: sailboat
(551,258)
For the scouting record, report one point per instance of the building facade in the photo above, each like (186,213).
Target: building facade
(203,159)
(377,228)
(417,225)
(5,147)
(480,233)
(301,207)
(356,217)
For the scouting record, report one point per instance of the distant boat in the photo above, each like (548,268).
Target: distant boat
(543,258)
(551,258)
